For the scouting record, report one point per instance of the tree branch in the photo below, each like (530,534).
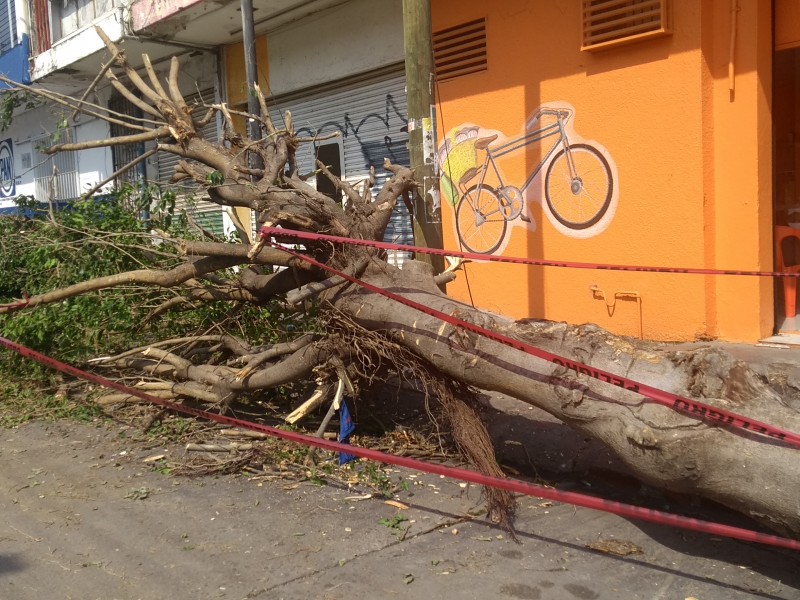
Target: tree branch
(130,97)
(268,256)
(164,279)
(121,140)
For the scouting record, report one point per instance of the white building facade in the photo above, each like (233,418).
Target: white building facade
(336,64)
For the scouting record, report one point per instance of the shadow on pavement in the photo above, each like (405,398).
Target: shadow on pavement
(11,563)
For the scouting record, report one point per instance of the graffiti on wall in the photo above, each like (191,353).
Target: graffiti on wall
(574,180)
(374,147)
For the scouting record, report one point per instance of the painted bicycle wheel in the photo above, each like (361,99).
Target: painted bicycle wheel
(480,223)
(579,200)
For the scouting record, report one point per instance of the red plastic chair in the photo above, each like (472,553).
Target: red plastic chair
(789,283)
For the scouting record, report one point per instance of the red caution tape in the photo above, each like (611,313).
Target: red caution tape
(541,262)
(687,406)
(512,485)
(17,305)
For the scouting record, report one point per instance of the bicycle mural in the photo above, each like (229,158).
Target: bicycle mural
(575,181)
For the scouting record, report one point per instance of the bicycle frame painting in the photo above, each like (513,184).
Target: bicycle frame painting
(575,181)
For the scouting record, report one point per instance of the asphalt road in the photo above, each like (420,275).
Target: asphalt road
(84,517)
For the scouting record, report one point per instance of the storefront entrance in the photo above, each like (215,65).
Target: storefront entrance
(786,115)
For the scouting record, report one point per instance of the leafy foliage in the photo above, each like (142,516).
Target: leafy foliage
(89,239)
(94,238)
(11,100)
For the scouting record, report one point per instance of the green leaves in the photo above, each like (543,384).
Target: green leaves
(105,236)
(11,100)
(90,238)
(394,522)
(215,178)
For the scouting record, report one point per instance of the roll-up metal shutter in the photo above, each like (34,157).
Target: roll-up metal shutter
(191,197)
(369,111)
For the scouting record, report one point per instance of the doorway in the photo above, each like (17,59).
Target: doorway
(786,140)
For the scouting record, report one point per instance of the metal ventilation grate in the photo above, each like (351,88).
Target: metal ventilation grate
(613,22)
(460,50)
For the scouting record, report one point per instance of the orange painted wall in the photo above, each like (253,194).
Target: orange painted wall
(235,78)
(693,161)
(742,226)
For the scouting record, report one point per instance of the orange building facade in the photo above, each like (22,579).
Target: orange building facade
(655,133)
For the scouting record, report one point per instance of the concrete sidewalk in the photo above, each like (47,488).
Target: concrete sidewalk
(85,518)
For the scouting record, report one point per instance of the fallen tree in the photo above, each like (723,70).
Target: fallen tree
(364,338)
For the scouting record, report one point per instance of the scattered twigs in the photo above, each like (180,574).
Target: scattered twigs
(110,399)
(203,465)
(244,433)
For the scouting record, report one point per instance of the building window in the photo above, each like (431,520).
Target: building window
(460,50)
(71,15)
(8,25)
(608,23)
(126,153)
(54,175)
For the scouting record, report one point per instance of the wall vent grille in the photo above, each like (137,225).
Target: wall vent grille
(460,50)
(613,22)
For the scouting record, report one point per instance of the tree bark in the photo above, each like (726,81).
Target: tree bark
(750,474)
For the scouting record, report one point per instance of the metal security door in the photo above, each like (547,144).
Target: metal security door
(369,112)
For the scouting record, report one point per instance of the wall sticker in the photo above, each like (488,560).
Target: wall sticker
(8,187)
(574,179)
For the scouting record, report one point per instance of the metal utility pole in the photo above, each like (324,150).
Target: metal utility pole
(250,66)
(421,133)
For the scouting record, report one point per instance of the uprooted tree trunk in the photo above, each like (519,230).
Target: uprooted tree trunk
(367,335)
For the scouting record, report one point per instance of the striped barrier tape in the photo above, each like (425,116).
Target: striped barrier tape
(676,402)
(541,262)
(512,485)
